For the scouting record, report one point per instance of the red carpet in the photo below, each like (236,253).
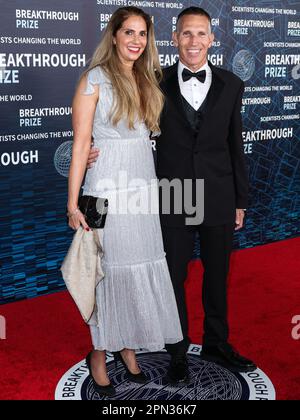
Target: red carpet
(45,336)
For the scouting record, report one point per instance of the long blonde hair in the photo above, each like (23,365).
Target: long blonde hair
(146,69)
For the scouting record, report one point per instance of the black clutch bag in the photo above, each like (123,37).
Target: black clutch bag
(94,210)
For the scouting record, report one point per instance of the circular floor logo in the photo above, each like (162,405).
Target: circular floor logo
(208,381)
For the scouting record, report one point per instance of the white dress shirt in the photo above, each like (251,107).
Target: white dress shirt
(193,90)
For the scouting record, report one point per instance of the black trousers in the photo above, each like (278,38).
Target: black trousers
(216,246)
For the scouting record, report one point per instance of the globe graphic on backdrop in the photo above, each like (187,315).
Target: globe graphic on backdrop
(62,158)
(244,64)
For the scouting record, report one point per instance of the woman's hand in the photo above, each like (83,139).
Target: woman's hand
(93,156)
(76,218)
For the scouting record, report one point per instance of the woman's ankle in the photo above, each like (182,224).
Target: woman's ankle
(98,364)
(129,358)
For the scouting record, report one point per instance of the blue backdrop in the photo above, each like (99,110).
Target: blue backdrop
(43,50)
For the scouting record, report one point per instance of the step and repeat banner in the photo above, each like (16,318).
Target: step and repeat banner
(44,47)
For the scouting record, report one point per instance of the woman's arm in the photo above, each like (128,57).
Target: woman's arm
(84,107)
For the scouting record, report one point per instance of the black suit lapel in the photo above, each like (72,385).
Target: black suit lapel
(212,99)
(172,90)
(217,86)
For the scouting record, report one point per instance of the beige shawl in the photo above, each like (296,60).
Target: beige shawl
(81,269)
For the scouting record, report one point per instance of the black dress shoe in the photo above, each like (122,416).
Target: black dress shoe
(107,390)
(138,378)
(224,355)
(178,369)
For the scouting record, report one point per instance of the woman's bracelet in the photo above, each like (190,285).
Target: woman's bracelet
(73,213)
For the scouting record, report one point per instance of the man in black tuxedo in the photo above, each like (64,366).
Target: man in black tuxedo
(201,138)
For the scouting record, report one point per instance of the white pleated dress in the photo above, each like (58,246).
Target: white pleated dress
(135,301)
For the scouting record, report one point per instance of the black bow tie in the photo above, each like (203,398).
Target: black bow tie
(200,75)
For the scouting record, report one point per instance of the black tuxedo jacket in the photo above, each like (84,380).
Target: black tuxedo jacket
(214,154)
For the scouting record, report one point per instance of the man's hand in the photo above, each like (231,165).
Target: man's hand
(93,156)
(239,219)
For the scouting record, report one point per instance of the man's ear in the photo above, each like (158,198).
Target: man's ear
(175,38)
(211,39)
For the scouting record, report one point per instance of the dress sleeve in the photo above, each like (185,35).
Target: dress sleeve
(93,78)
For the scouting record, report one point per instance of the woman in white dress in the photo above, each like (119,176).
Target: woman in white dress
(118,103)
